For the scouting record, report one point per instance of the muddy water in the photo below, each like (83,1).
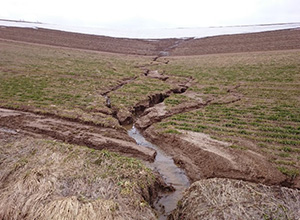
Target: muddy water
(172,175)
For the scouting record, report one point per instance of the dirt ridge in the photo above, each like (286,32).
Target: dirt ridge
(120,85)
(73,132)
(153,114)
(200,162)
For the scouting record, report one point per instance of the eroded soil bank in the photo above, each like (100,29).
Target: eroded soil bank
(174,176)
(18,123)
(200,155)
(204,157)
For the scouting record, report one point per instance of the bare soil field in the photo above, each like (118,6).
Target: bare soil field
(221,107)
(264,41)
(84,41)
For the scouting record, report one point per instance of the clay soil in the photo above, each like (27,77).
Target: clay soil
(203,157)
(15,124)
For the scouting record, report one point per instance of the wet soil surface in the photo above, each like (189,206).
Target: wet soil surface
(18,123)
(204,157)
(170,172)
(264,41)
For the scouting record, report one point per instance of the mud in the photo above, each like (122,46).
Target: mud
(159,112)
(172,175)
(25,123)
(127,117)
(203,157)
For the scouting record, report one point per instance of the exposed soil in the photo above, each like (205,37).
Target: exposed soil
(14,122)
(264,41)
(156,75)
(159,112)
(85,41)
(203,157)
(127,117)
(122,83)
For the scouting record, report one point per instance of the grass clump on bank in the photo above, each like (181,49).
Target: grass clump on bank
(42,179)
(235,199)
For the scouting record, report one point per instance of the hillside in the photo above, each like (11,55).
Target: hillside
(221,107)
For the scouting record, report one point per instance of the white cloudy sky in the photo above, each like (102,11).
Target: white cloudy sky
(152,13)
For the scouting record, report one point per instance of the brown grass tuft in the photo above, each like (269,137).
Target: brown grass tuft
(42,179)
(236,199)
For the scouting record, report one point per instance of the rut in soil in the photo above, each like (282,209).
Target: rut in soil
(172,175)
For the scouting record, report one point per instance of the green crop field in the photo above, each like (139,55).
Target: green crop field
(70,83)
(266,118)
(255,96)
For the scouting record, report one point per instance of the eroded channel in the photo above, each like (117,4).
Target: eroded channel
(172,175)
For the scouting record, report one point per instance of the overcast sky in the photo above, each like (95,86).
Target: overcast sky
(152,13)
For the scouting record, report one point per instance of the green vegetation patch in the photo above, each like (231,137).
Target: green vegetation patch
(63,82)
(268,112)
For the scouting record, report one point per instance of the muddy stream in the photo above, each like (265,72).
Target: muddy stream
(171,174)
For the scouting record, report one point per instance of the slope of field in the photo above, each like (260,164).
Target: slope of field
(218,113)
(64,82)
(263,41)
(85,41)
(251,101)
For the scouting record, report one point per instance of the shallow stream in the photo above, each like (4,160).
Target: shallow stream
(172,175)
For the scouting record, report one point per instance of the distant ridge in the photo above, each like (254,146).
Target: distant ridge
(22,21)
(250,42)
(156,33)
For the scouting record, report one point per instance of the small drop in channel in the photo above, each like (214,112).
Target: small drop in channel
(171,174)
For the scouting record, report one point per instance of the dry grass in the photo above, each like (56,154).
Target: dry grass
(42,179)
(235,199)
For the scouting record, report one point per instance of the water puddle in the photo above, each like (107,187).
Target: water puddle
(172,175)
